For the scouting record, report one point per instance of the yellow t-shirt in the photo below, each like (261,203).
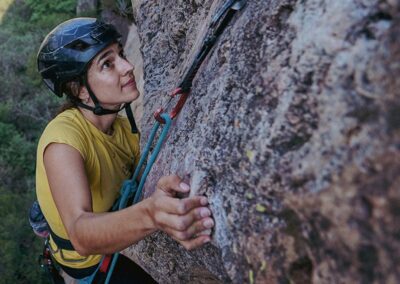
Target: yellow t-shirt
(108,162)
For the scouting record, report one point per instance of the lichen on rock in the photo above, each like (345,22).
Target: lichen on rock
(292,131)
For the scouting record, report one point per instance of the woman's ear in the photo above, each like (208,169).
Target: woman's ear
(84,94)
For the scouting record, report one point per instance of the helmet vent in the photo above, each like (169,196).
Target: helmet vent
(68,49)
(78,45)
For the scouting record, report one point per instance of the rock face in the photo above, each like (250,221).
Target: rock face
(292,130)
(132,51)
(84,7)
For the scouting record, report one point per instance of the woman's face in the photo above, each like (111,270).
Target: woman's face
(111,78)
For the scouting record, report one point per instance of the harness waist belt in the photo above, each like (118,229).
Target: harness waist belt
(61,242)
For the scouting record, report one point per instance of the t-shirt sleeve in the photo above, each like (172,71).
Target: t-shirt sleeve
(64,132)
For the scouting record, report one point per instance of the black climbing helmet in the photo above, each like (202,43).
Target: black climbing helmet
(65,55)
(67,50)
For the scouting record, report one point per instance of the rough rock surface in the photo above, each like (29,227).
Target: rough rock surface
(84,7)
(292,130)
(132,51)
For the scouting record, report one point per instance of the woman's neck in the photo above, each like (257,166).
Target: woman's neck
(102,122)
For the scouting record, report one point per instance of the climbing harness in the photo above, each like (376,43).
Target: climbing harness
(47,263)
(130,188)
(41,229)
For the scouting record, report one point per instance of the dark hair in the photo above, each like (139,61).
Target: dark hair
(71,90)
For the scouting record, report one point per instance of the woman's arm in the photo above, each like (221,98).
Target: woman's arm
(103,233)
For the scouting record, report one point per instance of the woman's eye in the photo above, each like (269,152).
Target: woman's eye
(106,64)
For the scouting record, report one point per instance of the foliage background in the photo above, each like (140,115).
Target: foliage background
(26,106)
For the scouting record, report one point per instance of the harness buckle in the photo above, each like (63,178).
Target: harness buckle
(176,109)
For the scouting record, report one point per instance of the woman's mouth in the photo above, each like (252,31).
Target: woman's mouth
(130,83)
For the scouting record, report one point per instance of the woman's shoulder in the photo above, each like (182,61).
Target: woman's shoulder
(67,124)
(67,118)
(123,121)
(65,129)
(124,126)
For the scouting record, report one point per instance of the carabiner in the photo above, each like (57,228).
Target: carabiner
(176,109)
(230,4)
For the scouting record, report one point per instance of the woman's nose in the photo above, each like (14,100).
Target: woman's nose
(125,66)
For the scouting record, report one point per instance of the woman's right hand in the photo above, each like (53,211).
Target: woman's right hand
(187,220)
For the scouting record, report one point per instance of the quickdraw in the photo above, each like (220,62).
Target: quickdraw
(131,188)
(216,27)
(176,109)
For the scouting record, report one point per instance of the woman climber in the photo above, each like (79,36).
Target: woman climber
(88,150)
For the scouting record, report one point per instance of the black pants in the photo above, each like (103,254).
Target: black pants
(127,272)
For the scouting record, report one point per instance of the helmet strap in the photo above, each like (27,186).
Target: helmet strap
(99,110)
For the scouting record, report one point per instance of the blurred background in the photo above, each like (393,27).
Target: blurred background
(25,108)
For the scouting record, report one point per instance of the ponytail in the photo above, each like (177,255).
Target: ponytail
(71,90)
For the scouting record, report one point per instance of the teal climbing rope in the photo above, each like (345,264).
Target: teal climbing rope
(131,188)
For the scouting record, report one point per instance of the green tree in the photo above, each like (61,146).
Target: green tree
(25,108)
(19,247)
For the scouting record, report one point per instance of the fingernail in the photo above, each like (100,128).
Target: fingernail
(184,186)
(206,232)
(208,223)
(203,201)
(205,212)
